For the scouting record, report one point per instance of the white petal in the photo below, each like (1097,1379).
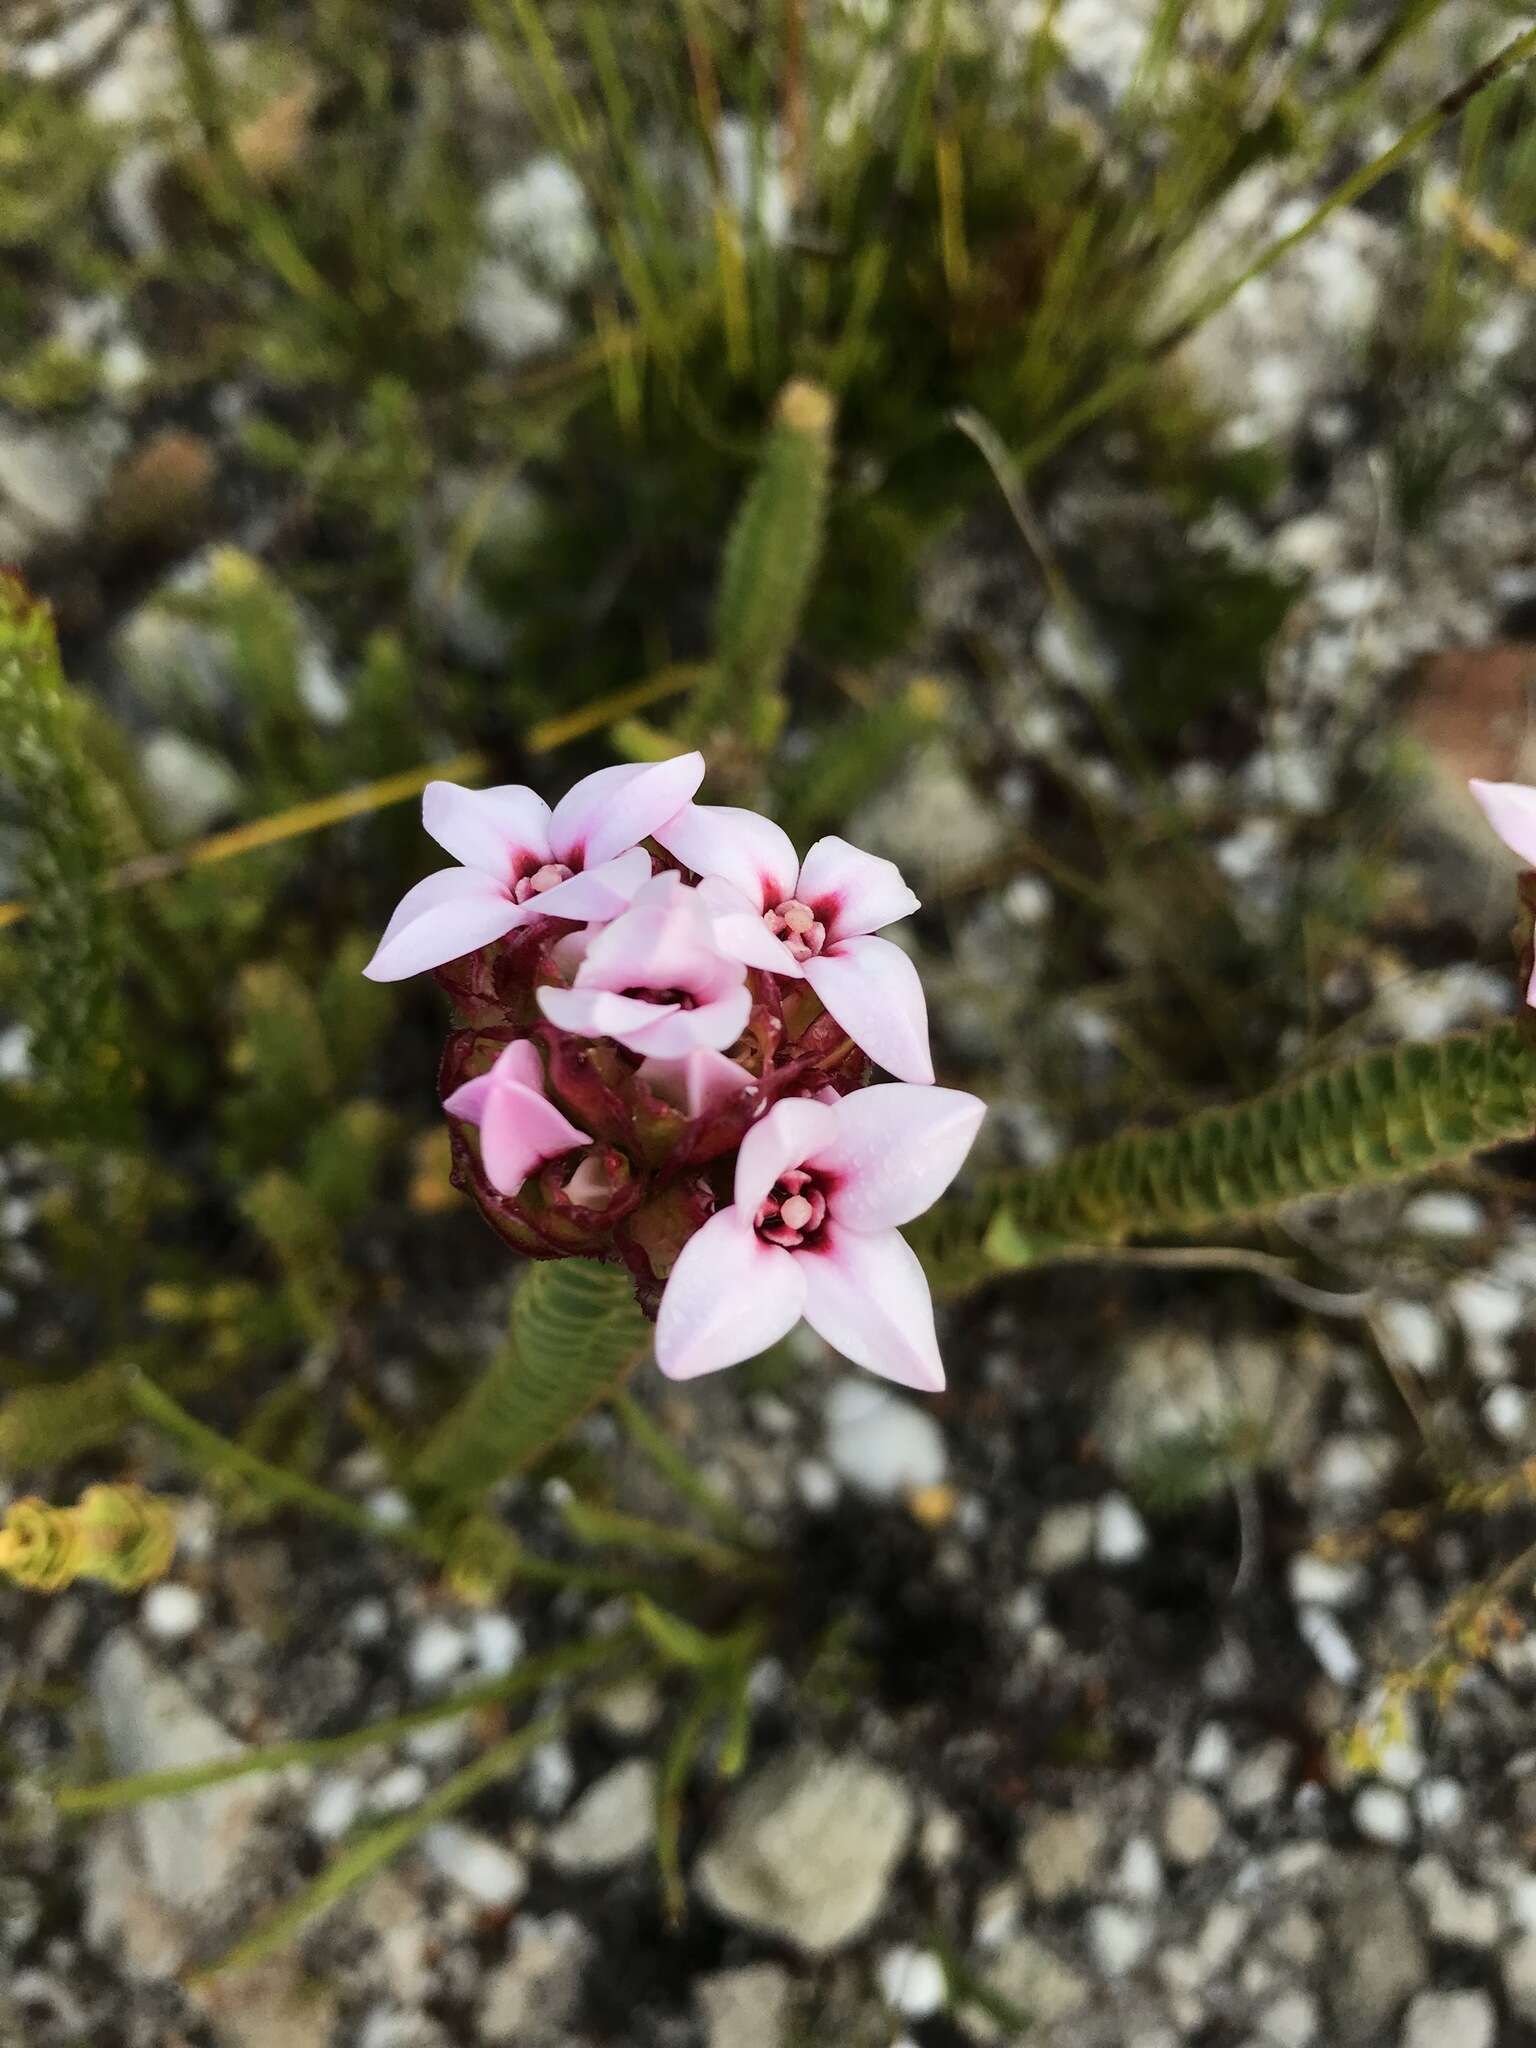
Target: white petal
(451,913)
(852,892)
(488,829)
(597,895)
(873,990)
(729,1296)
(613,810)
(896,1150)
(598,1013)
(675,1032)
(790,1132)
(751,853)
(1510,808)
(868,1296)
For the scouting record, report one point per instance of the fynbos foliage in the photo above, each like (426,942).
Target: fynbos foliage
(1387,1114)
(69,983)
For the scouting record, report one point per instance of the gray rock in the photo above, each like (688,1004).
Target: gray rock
(1060,1854)
(528,1999)
(186,1848)
(879,1443)
(930,821)
(807,1849)
(1191,1826)
(51,477)
(745,2008)
(1450,2019)
(1379,1955)
(1176,1388)
(1456,1912)
(1034,1981)
(613,1821)
(191,784)
(1519,1967)
(1063,1539)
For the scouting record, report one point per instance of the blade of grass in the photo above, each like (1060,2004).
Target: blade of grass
(381,1845)
(1105,396)
(653,1442)
(573,1660)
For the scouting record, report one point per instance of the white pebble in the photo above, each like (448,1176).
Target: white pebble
(497,1642)
(171,1612)
(1320,1582)
(1139,1874)
(389,1507)
(551,1777)
(1120,1536)
(1414,1336)
(438,1650)
(1443,1214)
(1382,1814)
(481,1867)
(1027,900)
(1118,1937)
(1507,1412)
(912,1982)
(1291,2022)
(1441,1802)
(399,1790)
(1329,1644)
(1210,1759)
(1485,1307)
(1450,2019)
(1063,1539)
(368,1622)
(884,1446)
(334,1806)
(816,1484)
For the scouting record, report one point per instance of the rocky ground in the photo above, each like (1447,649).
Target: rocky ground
(1074,1729)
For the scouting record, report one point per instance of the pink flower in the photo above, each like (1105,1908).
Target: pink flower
(820,914)
(520,1128)
(1510,808)
(820,1187)
(654,979)
(520,860)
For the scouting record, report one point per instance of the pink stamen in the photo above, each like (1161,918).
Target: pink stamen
(794,1211)
(541,879)
(797,926)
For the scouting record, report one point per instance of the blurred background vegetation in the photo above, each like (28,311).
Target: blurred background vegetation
(378,384)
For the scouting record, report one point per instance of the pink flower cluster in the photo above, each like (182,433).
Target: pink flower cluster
(667,1022)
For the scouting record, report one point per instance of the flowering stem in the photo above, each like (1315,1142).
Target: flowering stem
(1387,1114)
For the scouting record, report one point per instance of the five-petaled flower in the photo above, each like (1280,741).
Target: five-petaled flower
(520,860)
(821,913)
(820,1187)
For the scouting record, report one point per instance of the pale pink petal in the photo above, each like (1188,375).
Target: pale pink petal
(1510,808)
(676,1032)
(701,1082)
(488,829)
(595,896)
(789,1133)
(729,1296)
(850,891)
(613,810)
(868,1296)
(738,931)
(518,1132)
(451,913)
(519,1063)
(896,1150)
(751,853)
(598,1012)
(872,989)
(468,1100)
(659,948)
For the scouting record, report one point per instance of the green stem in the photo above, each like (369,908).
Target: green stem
(607,1527)
(1126,379)
(529,1677)
(1383,1116)
(654,1443)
